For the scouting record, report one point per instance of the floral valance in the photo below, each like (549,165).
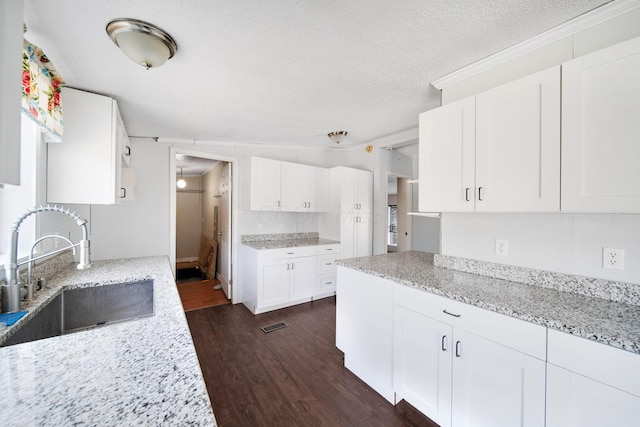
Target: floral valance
(41,87)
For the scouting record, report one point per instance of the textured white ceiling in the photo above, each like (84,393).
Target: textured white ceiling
(284,72)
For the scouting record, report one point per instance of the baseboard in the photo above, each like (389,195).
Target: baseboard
(189,259)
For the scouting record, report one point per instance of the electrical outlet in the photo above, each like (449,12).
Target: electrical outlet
(502,247)
(613,258)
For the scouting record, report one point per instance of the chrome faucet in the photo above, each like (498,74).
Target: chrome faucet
(11,290)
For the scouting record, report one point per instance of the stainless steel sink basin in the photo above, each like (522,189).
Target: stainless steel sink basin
(83,308)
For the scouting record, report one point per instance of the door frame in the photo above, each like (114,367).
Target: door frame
(409,208)
(233,234)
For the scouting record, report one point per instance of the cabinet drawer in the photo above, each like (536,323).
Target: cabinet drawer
(613,366)
(327,264)
(327,249)
(517,334)
(326,285)
(284,253)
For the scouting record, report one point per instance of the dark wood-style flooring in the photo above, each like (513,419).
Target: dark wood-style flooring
(290,377)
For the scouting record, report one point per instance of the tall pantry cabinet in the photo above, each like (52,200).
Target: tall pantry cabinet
(350,216)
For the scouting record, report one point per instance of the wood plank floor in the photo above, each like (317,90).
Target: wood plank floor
(198,294)
(290,377)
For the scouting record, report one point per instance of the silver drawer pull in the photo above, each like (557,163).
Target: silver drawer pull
(290,253)
(444,338)
(457,348)
(450,314)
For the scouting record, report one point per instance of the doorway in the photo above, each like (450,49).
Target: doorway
(399,204)
(202,213)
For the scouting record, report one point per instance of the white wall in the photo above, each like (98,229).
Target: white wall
(570,243)
(189,219)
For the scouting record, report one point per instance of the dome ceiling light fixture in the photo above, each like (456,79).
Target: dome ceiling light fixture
(144,43)
(337,136)
(181,183)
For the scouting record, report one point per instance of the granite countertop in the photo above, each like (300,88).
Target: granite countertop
(139,372)
(614,323)
(288,243)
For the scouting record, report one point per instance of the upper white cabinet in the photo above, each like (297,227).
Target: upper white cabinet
(350,216)
(496,152)
(263,190)
(285,186)
(447,158)
(600,128)
(86,166)
(591,384)
(356,189)
(11,17)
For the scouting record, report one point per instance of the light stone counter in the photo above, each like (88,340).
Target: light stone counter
(139,372)
(284,240)
(609,322)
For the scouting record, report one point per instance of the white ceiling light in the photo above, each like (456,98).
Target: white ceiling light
(181,183)
(142,42)
(337,136)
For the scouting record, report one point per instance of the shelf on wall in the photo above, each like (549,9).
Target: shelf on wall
(427,214)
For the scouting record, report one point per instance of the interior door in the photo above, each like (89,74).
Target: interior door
(224,233)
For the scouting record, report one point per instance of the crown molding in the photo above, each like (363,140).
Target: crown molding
(569,28)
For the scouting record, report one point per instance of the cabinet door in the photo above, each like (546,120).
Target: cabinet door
(348,243)
(294,187)
(10,83)
(128,184)
(422,364)
(84,167)
(494,385)
(447,158)
(363,235)
(364,196)
(265,184)
(348,187)
(518,145)
(275,287)
(600,128)
(319,189)
(575,400)
(304,279)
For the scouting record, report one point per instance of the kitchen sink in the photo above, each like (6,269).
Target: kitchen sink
(84,308)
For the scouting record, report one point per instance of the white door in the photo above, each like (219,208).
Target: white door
(422,364)
(577,401)
(447,158)
(224,233)
(518,145)
(600,128)
(495,386)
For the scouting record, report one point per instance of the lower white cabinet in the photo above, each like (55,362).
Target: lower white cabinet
(459,378)
(364,328)
(277,278)
(356,235)
(591,384)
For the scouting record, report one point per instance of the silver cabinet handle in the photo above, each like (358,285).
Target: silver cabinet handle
(128,152)
(278,202)
(450,314)
(123,192)
(287,266)
(292,266)
(290,253)
(355,206)
(480,193)
(466,193)
(444,338)
(457,348)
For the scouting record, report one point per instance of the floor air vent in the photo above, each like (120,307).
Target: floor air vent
(274,327)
